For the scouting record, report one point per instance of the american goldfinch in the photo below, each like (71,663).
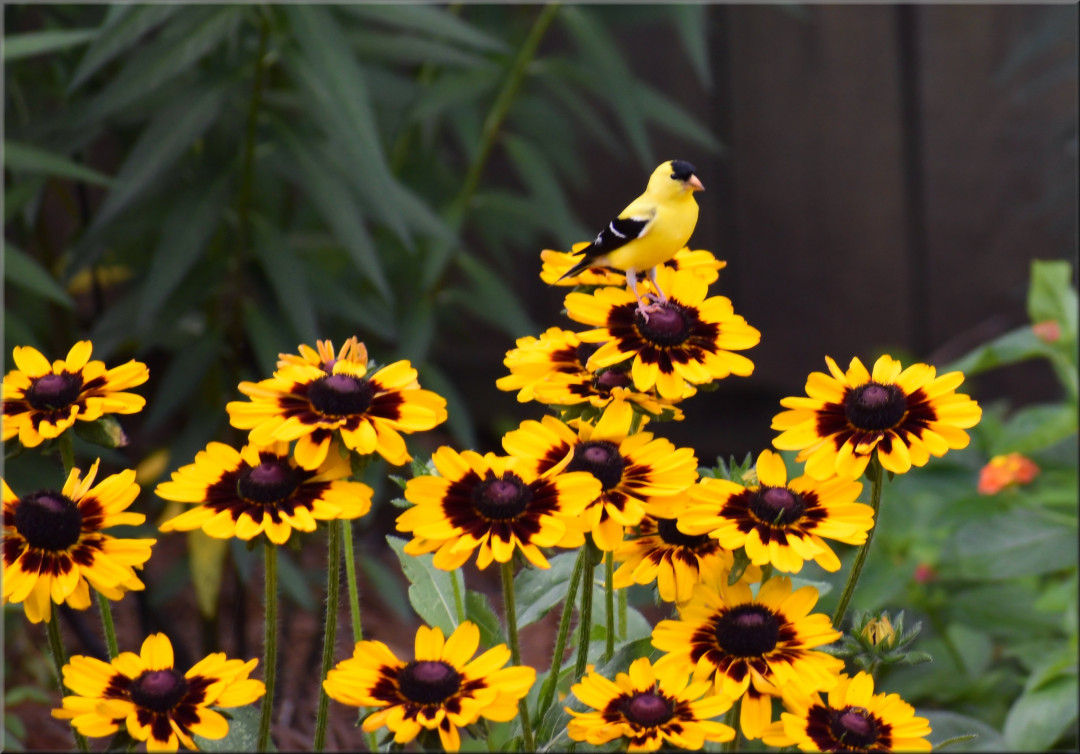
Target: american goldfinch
(649,231)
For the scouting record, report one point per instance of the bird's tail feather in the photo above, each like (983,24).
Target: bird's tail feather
(581,266)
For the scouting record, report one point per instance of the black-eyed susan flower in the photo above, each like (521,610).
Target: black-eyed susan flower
(323,355)
(776,521)
(55,547)
(649,707)
(261,489)
(687,339)
(852,718)
(551,370)
(145,693)
(495,505)
(443,688)
(675,561)
(739,639)
(700,262)
(41,400)
(633,470)
(906,416)
(304,402)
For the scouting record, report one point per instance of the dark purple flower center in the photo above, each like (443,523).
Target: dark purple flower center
(340,395)
(428,681)
(612,378)
(48,520)
(875,407)
(158,690)
(647,709)
(668,530)
(854,727)
(777,505)
(54,391)
(600,458)
(747,631)
(501,499)
(667,326)
(270,482)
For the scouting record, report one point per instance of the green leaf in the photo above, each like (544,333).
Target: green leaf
(169,135)
(403,49)
(31,159)
(1039,718)
(459,419)
(119,32)
(431,592)
(1051,295)
(18,46)
(692,25)
(184,237)
(1012,544)
(287,273)
(243,731)
(24,271)
(946,725)
(478,610)
(104,431)
(1036,427)
(182,378)
(294,584)
(974,647)
(19,195)
(670,117)
(431,20)
(538,590)
(548,198)
(185,41)
(332,197)
(494,299)
(207,562)
(1014,346)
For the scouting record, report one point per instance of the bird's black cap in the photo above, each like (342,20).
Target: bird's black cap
(681,170)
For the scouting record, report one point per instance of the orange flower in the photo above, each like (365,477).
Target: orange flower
(1048,331)
(1009,470)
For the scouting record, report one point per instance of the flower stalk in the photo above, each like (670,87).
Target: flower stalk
(515,648)
(270,636)
(333,589)
(609,603)
(877,481)
(547,692)
(105,610)
(59,658)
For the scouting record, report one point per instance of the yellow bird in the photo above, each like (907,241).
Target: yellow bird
(649,231)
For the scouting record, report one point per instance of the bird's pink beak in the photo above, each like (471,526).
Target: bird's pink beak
(695,184)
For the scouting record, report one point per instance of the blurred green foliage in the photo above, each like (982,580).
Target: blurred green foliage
(204,187)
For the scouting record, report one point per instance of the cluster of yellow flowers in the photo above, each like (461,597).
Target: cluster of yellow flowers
(590,477)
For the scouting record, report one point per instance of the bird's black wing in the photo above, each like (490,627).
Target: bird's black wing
(618,233)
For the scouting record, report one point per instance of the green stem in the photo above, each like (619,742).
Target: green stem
(515,649)
(59,658)
(635,423)
(67,453)
(622,615)
(585,621)
(609,603)
(350,581)
(270,636)
(107,624)
(333,589)
(731,719)
(877,480)
(547,692)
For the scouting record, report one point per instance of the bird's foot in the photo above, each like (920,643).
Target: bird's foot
(646,309)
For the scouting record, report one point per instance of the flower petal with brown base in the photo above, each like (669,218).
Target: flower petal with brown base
(442,689)
(41,400)
(904,415)
(700,262)
(261,489)
(145,693)
(55,548)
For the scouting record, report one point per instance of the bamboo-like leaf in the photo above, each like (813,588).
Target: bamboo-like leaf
(692,25)
(586,117)
(24,271)
(454,89)
(331,196)
(22,194)
(125,26)
(548,198)
(495,299)
(18,156)
(669,116)
(431,20)
(405,49)
(265,333)
(430,592)
(188,227)
(161,144)
(187,39)
(287,274)
(459,420)
(182,379)
(19,46)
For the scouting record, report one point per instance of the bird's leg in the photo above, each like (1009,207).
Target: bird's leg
(631,280)
(659,293)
